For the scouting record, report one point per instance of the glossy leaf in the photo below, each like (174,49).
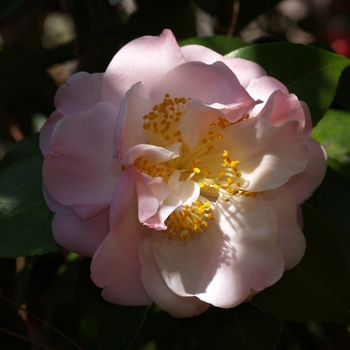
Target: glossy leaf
(318,288)
(332,133)
(241,328)
(310,73)
(219,43)
(25,219)
(103,325)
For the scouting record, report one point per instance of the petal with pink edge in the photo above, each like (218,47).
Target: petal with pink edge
(158,56)
(209,83)
(302,185)
(262,88)
(81,172)
(80,236)
(82,92)
(244,70)
(281,108)
(159,292)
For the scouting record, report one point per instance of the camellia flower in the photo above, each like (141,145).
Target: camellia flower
(181,173)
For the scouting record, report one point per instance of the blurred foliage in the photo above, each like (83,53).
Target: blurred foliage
(31,71)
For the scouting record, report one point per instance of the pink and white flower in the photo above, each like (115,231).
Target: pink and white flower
(181,173)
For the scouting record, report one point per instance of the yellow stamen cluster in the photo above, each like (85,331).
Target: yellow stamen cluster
(164,118)
(153,169)
(191,219)
(228,183)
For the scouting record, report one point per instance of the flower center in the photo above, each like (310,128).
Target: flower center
(213,169)
(191,219)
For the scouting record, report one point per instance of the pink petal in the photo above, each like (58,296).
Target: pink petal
(150,193)
(281,108)
(209,83)
(123,195)
(143,60)
(116,267)
(150,152)
(77,235)
(199,116)
(262,88)
(81,172)
(244,70)
(291,239)
(268,155)
(222,265)
(47,130)
(82,92)
(156,288)
(302,185)
(134,106)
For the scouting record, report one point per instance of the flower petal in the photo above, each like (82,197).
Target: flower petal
(221,265)
(262,88)
(115,266)
(80,236)
(134,106)
(158,56)
(268,155)
(159,292)
(80,172)
(244,70)
(82,92)
(209,83)
(302,185)
(46,132)
(291,239)
(281,108)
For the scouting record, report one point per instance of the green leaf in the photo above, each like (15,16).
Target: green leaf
(241,328)
(332,132)
(103,325)
(25,219)
(310,73)
(318,288)
(219,43)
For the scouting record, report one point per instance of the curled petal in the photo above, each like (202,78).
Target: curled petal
(151,152)
(262,88)
(281,108)
(134,106)
(150,193)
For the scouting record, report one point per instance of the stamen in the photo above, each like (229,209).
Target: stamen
(190,220)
